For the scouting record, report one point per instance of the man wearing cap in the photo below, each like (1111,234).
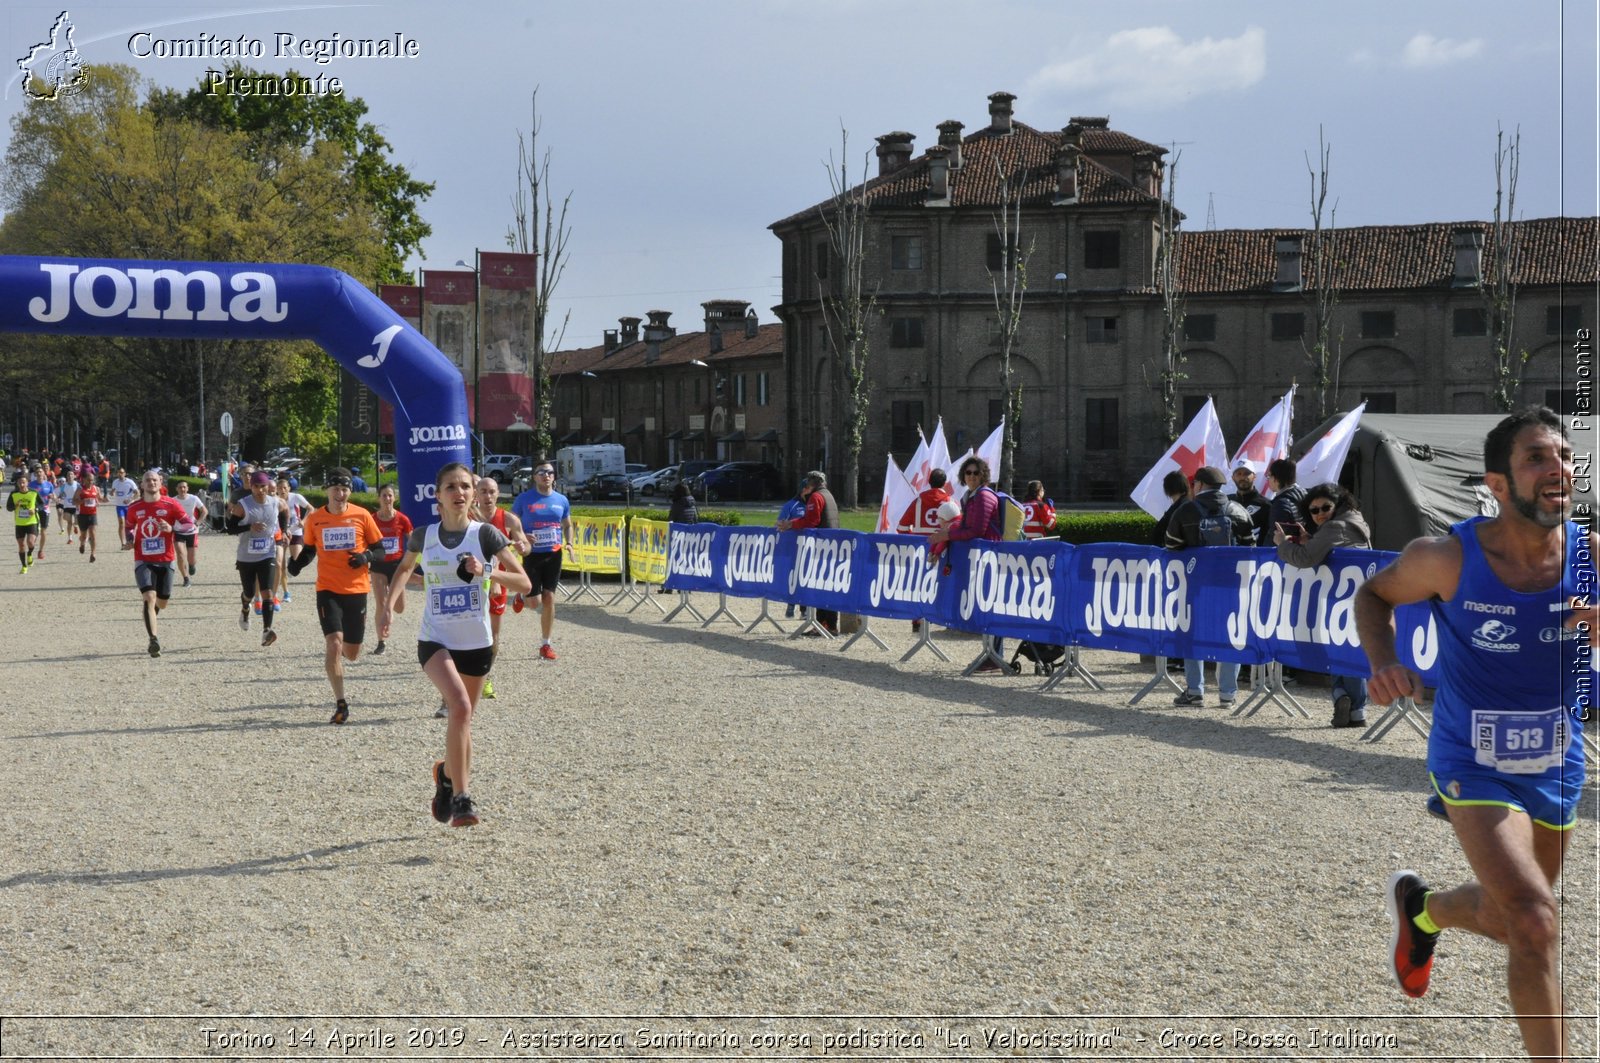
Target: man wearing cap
(1254,502)
(1209,518)
(343,539)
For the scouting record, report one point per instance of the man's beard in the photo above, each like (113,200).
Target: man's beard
(1528,506)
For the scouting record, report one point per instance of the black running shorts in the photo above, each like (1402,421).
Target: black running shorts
(468,662)
(154,576)
(87,520)
(544,569)
(386,569)
(343,614)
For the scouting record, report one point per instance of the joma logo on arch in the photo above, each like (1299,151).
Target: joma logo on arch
(155,294)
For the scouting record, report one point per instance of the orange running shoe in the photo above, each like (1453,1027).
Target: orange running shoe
(1410,948)
(548,652)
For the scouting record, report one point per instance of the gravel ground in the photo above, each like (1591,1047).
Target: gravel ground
(686,830)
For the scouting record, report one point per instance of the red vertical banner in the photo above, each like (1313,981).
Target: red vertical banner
(507,294)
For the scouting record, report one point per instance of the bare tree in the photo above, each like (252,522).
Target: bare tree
(540,229)
(1323,350)
(847,308)
(1500,290)
(1171,359)
(1010,285)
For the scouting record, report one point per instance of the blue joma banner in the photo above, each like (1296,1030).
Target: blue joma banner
(1220,603)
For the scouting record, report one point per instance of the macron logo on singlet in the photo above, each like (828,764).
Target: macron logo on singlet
(1493,609)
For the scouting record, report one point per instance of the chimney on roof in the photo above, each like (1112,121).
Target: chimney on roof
(1067,159)
(1468,244)
(894,151)
(630,330)
(658,329)
(752,326)
(950,137)
(938,176)
(717,313)
(1091,122)
(1000,111)
(1288,248)
(1144,173)
(714,338)
(611,341)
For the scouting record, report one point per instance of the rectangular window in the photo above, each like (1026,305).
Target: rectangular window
(763,390)
(1377,324)
(1192,405)
(1200,328)
(997,410)
(1100,428)
(1288,326)
(1562,320)
(992,253)
(738,390)
(1097,329)
(1102,249)
(905,419)
(905,252)
(823,253)
(1470,321)
(697,390)
(1380,402)
(905,332)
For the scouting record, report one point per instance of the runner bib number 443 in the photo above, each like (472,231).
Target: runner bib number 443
(465,600)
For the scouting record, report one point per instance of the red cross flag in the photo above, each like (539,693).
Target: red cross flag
(897,495)
(1325,460)
(1267,442)
(1200,444)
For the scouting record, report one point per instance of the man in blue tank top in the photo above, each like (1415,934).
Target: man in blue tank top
(1513,599)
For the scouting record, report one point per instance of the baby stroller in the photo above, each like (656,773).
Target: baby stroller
(1045,657)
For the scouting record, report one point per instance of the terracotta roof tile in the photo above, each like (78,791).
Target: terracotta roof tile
(1554,251)
(679,350)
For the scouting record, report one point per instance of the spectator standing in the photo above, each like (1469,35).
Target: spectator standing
(980,519)
(1210,518)
(1176,487)
(821,511)
(1254,502)
(922,516)
(683,509)
(1038,512)
(1288,497)
(1338,523)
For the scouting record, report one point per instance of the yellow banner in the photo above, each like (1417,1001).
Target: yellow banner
(597,544)
(647,550)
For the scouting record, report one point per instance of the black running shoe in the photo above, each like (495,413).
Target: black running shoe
(1410,949)
(378,648)
(155,646)
(268,637)
(462,814)
(341,711)
(441,793)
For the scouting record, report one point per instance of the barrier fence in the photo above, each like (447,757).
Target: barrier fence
(1221,603)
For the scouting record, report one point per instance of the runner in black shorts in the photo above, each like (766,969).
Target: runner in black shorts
(344,615)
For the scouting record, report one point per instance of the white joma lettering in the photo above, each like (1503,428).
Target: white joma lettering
(822,564)
(690,554)
(442,433)
(750,558)
(1140,594)
(901,574)
(155,294)
(1008,585)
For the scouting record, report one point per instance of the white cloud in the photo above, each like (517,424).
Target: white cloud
(1426,50)
(1152,66)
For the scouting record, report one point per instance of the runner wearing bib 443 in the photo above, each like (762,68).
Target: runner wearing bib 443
(1513,604)
(462,561)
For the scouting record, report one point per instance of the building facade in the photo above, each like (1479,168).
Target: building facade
(713,394)
(1409,322)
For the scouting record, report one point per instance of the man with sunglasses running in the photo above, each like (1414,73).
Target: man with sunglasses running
(546,517)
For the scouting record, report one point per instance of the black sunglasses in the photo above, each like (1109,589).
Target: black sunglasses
(1313,510)
(544,472)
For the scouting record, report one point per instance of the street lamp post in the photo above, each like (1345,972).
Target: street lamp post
(1066,386)
(477,354)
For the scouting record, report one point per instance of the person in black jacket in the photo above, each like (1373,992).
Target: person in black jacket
(1176,487)
(1253,501)
(684,510)
(1210,518)
(1288,500)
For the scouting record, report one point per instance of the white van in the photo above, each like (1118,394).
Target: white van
(576,466)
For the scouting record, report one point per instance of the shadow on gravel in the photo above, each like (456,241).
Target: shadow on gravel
(1305,742)
(318,721)
(267,865)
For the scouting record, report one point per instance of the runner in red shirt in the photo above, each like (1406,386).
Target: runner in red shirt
(396,529)
(88,511)
(151,521)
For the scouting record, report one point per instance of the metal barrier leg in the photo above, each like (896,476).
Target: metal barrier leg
(722,611)
(1272,690)
(865,632)
(1161,677)
(809,625)
(586,589)
(684,606)
(925,642)
(647,596)
(988,654)
(1404,710)
(1071,667)
(764,617)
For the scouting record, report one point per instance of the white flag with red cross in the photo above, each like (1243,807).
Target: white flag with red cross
(1200,444)
(1267,442)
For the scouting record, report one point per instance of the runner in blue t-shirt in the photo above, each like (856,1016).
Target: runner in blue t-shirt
(1514,605)
(546,517)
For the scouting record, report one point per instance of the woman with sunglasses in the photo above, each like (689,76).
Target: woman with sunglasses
(1337,523)
(980,519)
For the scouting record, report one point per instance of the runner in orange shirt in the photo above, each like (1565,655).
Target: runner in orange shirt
(344,540)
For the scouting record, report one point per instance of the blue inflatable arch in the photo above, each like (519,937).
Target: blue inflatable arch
(231,300)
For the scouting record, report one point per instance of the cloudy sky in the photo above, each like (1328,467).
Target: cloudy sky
(682,130)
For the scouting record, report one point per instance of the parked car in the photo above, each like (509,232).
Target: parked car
(740,481)
(610,485)
(634,468)
(278,454)
(660,482)
(502,466)
(689,470)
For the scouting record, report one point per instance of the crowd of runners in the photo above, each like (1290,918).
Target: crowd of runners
(469,568)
